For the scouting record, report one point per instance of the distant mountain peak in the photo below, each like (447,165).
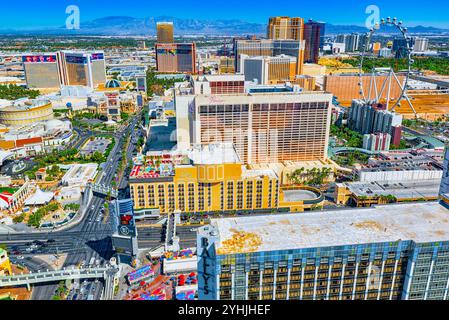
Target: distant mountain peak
(132,26)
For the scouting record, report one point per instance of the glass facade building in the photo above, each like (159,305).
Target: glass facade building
(285,28)
(270,48)
(176,57)
(41,71)
(338,257)
(314,38)
(80,68)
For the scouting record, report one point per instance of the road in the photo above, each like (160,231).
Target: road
(150,236)
(34,264)
(89,239)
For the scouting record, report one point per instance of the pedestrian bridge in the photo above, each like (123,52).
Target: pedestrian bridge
(104,190)
(57,275)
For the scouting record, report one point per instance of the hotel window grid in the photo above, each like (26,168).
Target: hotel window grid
(295,281)
(270,193)
(141,195)
(225,282)
(227,87)
(161,196)
(240,195)
(181,197)
(171,197)
(254,282)
(230,195)
(280,131)
(151,197)
(259,194)
(249,194)
(209,195)
(191,191)
(281,281)
(276,194)
(201,197)
(230,122)
(221,195)
(131,191)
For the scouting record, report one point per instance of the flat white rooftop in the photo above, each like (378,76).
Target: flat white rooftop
(254,173)
(420,222)
(214,153)
(80,173)
(399,189)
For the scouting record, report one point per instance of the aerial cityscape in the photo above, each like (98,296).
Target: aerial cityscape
(202,157)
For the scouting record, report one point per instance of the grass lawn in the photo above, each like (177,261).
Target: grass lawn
(8,189)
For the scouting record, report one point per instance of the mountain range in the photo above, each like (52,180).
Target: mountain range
(130,26)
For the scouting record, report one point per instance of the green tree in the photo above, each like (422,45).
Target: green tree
(14,92)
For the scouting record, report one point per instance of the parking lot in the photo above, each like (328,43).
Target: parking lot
(97,145)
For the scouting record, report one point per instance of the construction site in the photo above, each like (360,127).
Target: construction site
(428,105)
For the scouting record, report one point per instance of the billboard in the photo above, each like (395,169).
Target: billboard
(123,212)
(76,59)
(124,245)
(97,56)
(140,274)
(39,59)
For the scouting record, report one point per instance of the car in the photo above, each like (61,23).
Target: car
(20,257)
(51,240)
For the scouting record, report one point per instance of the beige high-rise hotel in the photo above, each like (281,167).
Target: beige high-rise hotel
(268,127)
(164,32)
(285,28)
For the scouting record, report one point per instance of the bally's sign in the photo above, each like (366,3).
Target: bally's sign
(206,267)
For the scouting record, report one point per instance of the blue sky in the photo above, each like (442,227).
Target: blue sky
(45,13)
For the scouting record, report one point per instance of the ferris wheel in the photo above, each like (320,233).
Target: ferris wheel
(378,92)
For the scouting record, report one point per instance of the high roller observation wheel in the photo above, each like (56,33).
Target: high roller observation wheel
(366,47)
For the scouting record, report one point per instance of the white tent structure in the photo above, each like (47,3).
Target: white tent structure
(39,198)
(5,200)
